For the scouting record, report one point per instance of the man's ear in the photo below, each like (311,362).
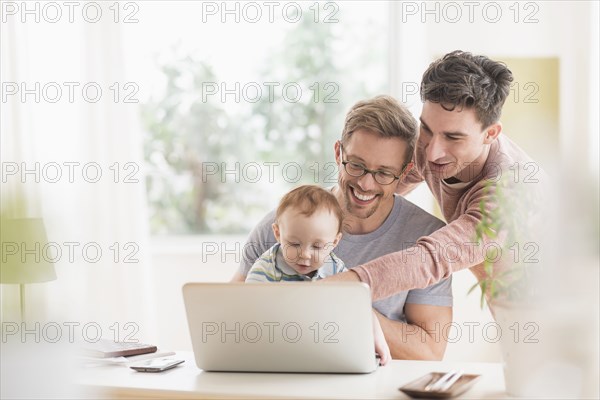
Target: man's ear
(492,132)
(276,232)
(407,170)
(336,149)
(337,239)
(330,246)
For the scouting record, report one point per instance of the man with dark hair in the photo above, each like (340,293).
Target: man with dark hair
(461,156)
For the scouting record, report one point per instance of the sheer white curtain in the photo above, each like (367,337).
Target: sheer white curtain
(83,152)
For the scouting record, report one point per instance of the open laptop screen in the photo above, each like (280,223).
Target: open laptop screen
(282,327)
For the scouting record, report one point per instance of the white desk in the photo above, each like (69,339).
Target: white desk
(187,381)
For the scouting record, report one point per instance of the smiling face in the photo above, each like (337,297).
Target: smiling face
(454,142)
(306,240)
(366,202)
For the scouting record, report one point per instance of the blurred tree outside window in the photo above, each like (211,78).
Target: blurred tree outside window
(216,166)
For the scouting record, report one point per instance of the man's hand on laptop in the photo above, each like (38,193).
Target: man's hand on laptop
(381,347)
(348,276)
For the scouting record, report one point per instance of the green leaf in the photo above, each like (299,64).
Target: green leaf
(483,285)
(488,268)
(490,233)
(475,285)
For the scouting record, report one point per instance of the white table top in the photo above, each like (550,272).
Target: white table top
(187,381)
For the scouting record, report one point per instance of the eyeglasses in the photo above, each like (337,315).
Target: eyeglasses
(354,169)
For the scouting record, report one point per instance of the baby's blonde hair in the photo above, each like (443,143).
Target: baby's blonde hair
(309,198)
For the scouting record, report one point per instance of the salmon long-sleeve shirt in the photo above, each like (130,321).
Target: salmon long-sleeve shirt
(453,247)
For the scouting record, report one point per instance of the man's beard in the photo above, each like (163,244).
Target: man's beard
(364,212)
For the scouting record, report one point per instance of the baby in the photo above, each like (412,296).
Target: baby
(308,226)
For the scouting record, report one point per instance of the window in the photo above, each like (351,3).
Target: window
(241,101)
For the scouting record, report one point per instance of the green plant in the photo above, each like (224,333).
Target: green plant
(509,225)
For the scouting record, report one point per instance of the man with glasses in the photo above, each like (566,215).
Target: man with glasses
(373,154)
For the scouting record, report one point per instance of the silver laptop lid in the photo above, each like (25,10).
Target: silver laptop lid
(281,327)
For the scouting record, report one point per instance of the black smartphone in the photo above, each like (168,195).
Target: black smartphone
(156,365)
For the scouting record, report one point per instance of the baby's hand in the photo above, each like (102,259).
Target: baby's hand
(381,347)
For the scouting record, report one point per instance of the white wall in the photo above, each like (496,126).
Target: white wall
(178,260)
(567,30)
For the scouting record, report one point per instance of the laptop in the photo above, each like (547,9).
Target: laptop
(281,327)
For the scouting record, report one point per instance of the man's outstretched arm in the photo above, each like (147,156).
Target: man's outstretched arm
(434,257)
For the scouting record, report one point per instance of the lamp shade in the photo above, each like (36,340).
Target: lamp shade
(24,257)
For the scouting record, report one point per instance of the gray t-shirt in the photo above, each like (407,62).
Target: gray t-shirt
(405,224)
